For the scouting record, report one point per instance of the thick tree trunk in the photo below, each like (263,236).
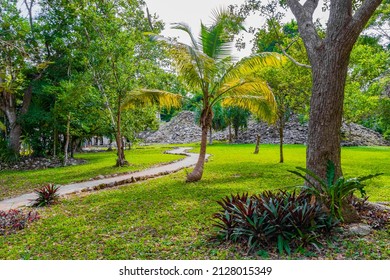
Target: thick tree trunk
(14,137)
(257,148)
(329,57)
(15,128)
(326,108)
(9,107)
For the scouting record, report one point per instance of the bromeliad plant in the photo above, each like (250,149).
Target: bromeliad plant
(282,218)
(46,195)
(333,192)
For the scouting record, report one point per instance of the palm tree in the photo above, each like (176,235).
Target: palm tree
(207,66)
(144,98)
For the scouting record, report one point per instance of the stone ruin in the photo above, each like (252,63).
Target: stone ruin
(183,129)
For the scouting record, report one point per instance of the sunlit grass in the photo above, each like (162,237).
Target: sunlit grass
(166,218)
(102,163)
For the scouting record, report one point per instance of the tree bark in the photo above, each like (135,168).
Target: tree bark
(197,173)
(121,160)
(230,134)
(257,148)
(326,109)
(66,148)
(329,58)
(281,138)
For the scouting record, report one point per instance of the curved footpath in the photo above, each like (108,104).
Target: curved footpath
(188,161)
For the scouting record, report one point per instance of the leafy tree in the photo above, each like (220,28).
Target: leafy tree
(237,118)
(368,69)
(206,66)
(20,66)
(289,83)
(329,53)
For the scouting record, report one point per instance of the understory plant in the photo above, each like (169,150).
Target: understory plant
(334,193)
(6,154)
(282,219)
(14,220)
(46,195)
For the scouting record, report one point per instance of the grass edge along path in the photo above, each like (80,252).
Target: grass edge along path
(165,169)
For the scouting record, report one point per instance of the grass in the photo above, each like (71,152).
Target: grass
(13,183)
(166,218)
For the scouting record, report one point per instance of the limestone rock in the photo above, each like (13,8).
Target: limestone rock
(359,229)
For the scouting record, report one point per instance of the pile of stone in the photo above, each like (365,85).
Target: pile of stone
(184,129)
(38,163)
(181,129)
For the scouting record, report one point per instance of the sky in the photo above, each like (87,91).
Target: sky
(193,13)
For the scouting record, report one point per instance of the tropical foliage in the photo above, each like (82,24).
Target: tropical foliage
(335,193)
(206,66)
(281,218)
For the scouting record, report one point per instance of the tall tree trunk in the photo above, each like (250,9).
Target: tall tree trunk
(257,148)
(329,57)
(55,142)
(281,139)
(326,109)
(66,148)
(236,128)
(15,135)
(211,136)
(205,120)
(197,173)
(8,106)
(230,134)
(121,160)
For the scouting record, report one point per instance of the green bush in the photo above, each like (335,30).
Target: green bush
(6,154)
(333,192)
(283,219)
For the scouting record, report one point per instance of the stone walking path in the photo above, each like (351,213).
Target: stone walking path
(188,161)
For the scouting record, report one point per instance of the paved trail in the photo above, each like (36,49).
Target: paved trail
(188,161)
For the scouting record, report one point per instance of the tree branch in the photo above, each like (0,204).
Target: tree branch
(304,17)
(363,14)
(292,59)
(310,6)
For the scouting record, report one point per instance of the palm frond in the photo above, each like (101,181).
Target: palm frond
(187,29)
(258,105)
(214,41)
(253,64)
(147,97)
(193,66)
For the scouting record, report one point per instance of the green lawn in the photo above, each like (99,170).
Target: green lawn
(166,218)
(102,163)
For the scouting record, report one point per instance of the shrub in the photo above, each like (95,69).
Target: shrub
(6,154)
(14,220)
(47,195)
(282,219)
(332,192)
